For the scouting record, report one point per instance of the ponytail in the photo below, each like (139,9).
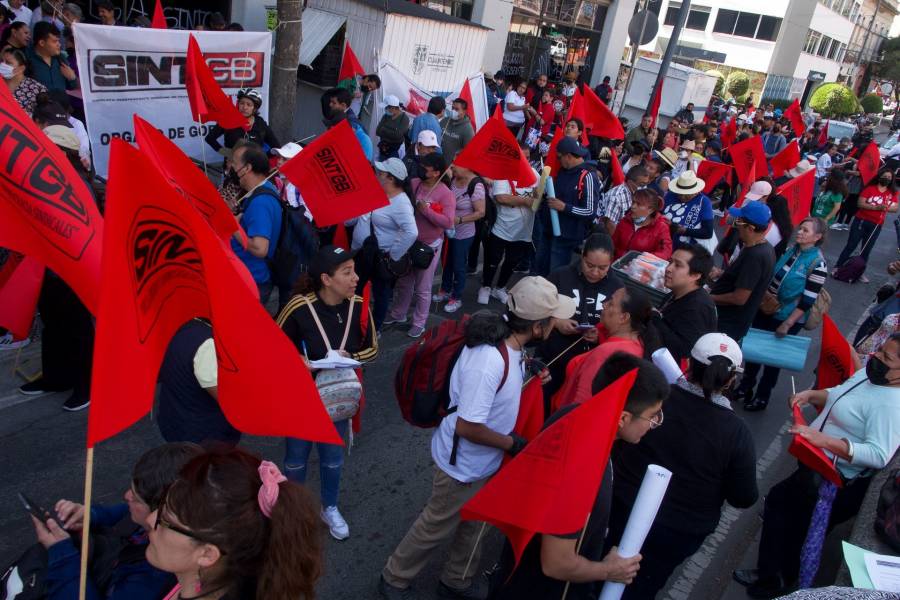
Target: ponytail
(305,284)
(489,327)
(714,377)
(292,560)
(638,306)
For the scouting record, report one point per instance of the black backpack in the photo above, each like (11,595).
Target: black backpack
(490,208)
(31,570)
(297,242)
(887,512)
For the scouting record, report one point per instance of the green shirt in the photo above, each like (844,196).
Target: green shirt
(825,203)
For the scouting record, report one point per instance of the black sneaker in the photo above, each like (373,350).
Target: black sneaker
(74,403)
(389,592)
(771,586)
(756,405)
(477,590)
(38,387)
(745,577)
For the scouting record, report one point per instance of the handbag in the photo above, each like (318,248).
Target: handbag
(770,304)
(420,255)
(339,389)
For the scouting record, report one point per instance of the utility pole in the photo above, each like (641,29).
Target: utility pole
(670,48)
(283,90)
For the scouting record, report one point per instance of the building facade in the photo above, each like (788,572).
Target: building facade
(872,27)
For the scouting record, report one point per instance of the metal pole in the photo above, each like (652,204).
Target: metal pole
(634,56)
(670,49)
(867,59)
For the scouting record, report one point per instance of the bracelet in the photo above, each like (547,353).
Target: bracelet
(849,450)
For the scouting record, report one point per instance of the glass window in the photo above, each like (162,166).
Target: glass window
(746,24)
(725,21)
(672,13)
(823,47)
(768,28)
(847,8)
(812,39)
(698,18)
(654,6)
(833,51)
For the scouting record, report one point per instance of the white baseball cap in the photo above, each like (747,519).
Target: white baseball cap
(428,138)
(718,344)
(289,150)
(394,166)
(758,190)
(391,100)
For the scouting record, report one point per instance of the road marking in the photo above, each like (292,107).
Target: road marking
(694,567)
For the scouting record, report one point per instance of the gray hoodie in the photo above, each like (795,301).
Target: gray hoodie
(457,133)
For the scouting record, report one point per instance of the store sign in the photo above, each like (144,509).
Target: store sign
(815,76)
(433,61)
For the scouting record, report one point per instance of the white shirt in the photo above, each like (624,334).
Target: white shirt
(514,223)
(823,165)
(23,13)
(514,116)
(84,142)
(394,225)
(473,390)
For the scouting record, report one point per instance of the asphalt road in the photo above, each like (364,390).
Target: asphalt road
(388,471)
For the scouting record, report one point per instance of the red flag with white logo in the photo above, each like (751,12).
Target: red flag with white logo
(208,101)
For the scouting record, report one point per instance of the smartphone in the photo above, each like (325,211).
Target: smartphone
(584,327)
(37,511)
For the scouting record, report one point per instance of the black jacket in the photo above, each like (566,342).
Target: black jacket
(259,133)
(684,321)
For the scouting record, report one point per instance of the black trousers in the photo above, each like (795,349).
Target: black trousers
(788,509)
(497,249)
(770,374)
(848,208)
(67,340)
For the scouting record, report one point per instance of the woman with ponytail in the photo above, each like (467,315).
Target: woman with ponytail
(232,527)
(712,457)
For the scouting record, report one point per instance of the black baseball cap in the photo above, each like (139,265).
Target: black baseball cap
(327,259)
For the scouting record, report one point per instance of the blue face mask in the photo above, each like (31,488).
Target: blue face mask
(638,220)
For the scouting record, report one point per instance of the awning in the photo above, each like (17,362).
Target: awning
(319,27)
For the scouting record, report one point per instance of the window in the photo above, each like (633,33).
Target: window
(746,24)
(847,8)
(768,28)
(653,6)
(812,40)
(725,21)
(823,47)
(698,18)
(672,14)
(833,51)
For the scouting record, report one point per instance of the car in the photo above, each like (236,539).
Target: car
(558,48)
(840,129)
(889,143)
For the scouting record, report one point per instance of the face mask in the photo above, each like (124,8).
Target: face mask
(638,220)
(884,182)
(453,114)
(877,371)
(683,154)
(6,71)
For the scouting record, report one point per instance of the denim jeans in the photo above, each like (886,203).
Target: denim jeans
(860,230)
(453,280)
(382,293)
(331,458)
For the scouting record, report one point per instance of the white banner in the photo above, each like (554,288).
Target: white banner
(128,70)
(415,99)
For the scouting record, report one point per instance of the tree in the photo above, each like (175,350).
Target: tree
(834,100)
(283,91)
(889,69)
(720,81)
(872,104)
(737,84)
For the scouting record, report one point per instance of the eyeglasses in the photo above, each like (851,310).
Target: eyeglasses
(655,421)
(160,520)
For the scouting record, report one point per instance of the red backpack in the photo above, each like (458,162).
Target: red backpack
(422,381)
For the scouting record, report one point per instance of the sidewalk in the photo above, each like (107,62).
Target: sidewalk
(14,365)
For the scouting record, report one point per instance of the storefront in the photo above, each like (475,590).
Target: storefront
(553,37)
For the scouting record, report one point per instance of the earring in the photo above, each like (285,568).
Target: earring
(198,586)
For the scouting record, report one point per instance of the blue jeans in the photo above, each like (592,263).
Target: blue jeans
(331,459)
(860,232)
(382,295)
(553,253)
(453,279)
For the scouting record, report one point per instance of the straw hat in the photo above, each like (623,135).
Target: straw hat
(667,155)
(689,145)
(687,183)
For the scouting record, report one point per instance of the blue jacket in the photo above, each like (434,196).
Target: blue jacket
(130,581)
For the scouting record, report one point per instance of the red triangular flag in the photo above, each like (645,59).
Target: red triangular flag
(869,163)
(159,18)
(748,152)
(366,299)
(798,192)
(729,133)
(208,101)
(653,109)
(350,66)
(531,410)
(494,153)
(183,175)
(498,113)
(20,286)
(786,159)
(712,172)
(576,111)
(615,168)
(466,94)
(812,456)
(599,119)
(340,237)
(163,265)
(47,211)
(793,114)
(550,487)
(823,134)
(749,179)
(335,178)
(552,160)
(835,356)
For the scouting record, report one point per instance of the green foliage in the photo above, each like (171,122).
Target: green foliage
(834,100)
(720,81)
(872,104)
(737,84)
(889,68)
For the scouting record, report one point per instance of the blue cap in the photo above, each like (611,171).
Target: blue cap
(568,145)
(753,212)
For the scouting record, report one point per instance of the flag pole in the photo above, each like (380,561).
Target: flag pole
(202,146)
(274,172)
(555,358)
(474,548)
(85,529)
(577,550)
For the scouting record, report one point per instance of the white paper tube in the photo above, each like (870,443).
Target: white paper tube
(643,513)
(663,359)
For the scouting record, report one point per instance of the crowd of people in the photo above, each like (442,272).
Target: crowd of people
(206,519)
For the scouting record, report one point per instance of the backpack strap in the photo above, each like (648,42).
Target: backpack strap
(504,352)
(347,326)
(315,317)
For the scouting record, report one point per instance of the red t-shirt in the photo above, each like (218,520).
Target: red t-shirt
(877,198)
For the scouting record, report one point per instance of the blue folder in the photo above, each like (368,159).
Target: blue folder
(762,347)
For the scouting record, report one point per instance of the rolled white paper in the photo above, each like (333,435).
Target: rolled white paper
(663,359)
(643,513)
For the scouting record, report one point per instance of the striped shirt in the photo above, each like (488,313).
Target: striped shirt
(814,281)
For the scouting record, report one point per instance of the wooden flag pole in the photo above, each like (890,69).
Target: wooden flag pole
(474,548)
(202,146)
(555,358)
(86,527)
(577,550)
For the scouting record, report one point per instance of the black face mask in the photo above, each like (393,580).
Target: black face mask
(877,371)
(884,182)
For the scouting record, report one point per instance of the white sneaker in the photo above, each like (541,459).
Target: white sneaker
(453,306)
(836,226)
(441,296)
(500,294)
(337,526)
(719,213)
(484,295)
(7,342)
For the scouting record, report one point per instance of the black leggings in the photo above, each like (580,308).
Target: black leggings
(848,208)
(497,249)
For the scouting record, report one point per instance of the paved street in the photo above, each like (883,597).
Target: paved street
(387,474)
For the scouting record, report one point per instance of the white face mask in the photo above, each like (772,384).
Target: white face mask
(453,114)
(683,154)
(7,71)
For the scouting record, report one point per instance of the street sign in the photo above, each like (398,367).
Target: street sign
(650,27)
